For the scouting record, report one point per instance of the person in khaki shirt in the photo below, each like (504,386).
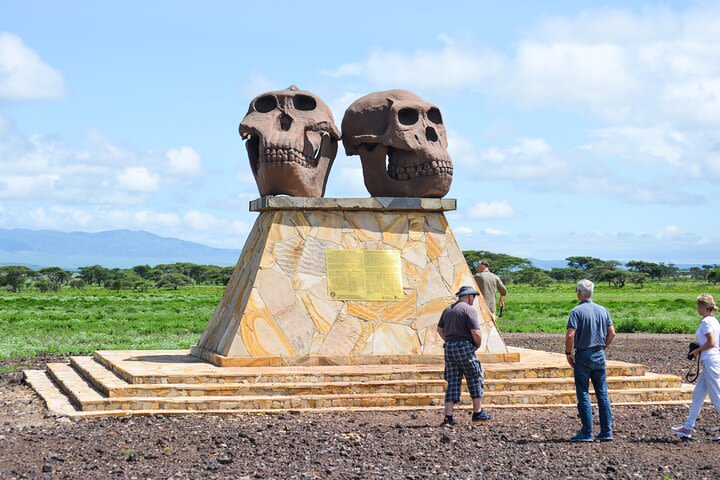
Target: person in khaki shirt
(489,284)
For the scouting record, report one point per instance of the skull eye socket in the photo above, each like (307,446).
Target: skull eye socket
(434,116)
(408,116)
(304,102)
(265,104)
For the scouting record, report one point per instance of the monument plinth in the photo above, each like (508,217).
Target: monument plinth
(278,308)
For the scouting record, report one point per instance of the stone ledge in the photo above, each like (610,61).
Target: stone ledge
(326,360)
(385,204)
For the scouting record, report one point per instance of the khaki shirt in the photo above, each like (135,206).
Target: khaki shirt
(488,283)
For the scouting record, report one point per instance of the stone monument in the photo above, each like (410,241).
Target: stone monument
(334,302)
(344,281)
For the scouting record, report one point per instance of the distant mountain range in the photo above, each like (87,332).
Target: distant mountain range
(114,248)
(126,248)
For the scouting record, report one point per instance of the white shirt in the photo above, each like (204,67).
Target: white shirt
(708,324)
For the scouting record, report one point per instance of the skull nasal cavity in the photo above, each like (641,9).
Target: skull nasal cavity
(285,122)
(430,134)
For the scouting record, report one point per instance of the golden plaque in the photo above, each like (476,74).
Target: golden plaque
(372,275)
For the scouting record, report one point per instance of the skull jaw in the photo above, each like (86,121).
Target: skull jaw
(380,184)
(293,179)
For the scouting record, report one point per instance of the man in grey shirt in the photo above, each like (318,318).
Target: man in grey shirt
(489,284)
(590,330)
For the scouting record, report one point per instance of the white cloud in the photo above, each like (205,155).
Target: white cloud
(463,230)
(566,73)
(25,186)
(138,179)
(669,232)
(184,161)
(259,83)
(618,65)
(494,209)
(35,167)
(206,222)
(346,181)
(643,145)
(598,169)
(451,67)
(339,104)
(528,158)
(493,232)
(23,74)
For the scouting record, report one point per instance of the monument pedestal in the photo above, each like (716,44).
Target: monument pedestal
(278,309)
(283,338)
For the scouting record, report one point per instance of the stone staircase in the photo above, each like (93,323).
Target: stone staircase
(113,383)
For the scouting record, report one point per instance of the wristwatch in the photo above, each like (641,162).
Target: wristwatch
(568,353)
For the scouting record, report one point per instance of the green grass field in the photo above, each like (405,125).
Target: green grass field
(655,308)
(81,321)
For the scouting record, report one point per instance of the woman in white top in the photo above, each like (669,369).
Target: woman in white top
(708,336)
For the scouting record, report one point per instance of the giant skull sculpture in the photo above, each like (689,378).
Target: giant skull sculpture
(399,125)
(291,142)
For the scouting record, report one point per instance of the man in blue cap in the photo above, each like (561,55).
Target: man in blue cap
(459,327)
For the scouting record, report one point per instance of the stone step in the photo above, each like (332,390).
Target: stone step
(367,400)
(78,390)
(172,372)
(87,398)
(112,386)
(56,401)
(59,404)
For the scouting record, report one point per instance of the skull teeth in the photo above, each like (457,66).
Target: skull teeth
(433,167)
(280,156)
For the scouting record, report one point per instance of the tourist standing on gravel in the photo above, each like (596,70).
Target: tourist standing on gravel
(707,335)
(459,327)
(591,331)
(489,284)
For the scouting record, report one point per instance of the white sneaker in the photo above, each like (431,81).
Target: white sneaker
(682,431)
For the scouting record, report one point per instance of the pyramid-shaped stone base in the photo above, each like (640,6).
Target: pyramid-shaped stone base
(276,309)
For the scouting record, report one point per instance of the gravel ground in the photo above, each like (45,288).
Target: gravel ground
(518,443)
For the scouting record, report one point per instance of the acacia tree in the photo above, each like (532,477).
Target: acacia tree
(45,284)
(713,276)
(174,280)
(95,274)
(500,263)
(653,270)
(533,276)
(56,275)
(15,276)
(567,274)
(584,263)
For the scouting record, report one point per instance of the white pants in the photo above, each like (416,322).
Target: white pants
(707,382)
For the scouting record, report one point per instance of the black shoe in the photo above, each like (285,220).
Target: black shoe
(481,416)
(448,422)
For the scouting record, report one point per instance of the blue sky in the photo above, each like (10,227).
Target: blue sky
(574,129)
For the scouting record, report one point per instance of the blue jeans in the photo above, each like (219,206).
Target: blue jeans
(590,365)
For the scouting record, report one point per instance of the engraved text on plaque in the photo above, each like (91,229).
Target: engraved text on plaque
(371,275)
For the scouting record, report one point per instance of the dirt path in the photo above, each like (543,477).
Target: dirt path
(660,353)
(517,444)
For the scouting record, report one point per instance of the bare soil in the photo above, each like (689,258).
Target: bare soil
(516,444)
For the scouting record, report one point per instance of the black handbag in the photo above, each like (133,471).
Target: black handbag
(691,376)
